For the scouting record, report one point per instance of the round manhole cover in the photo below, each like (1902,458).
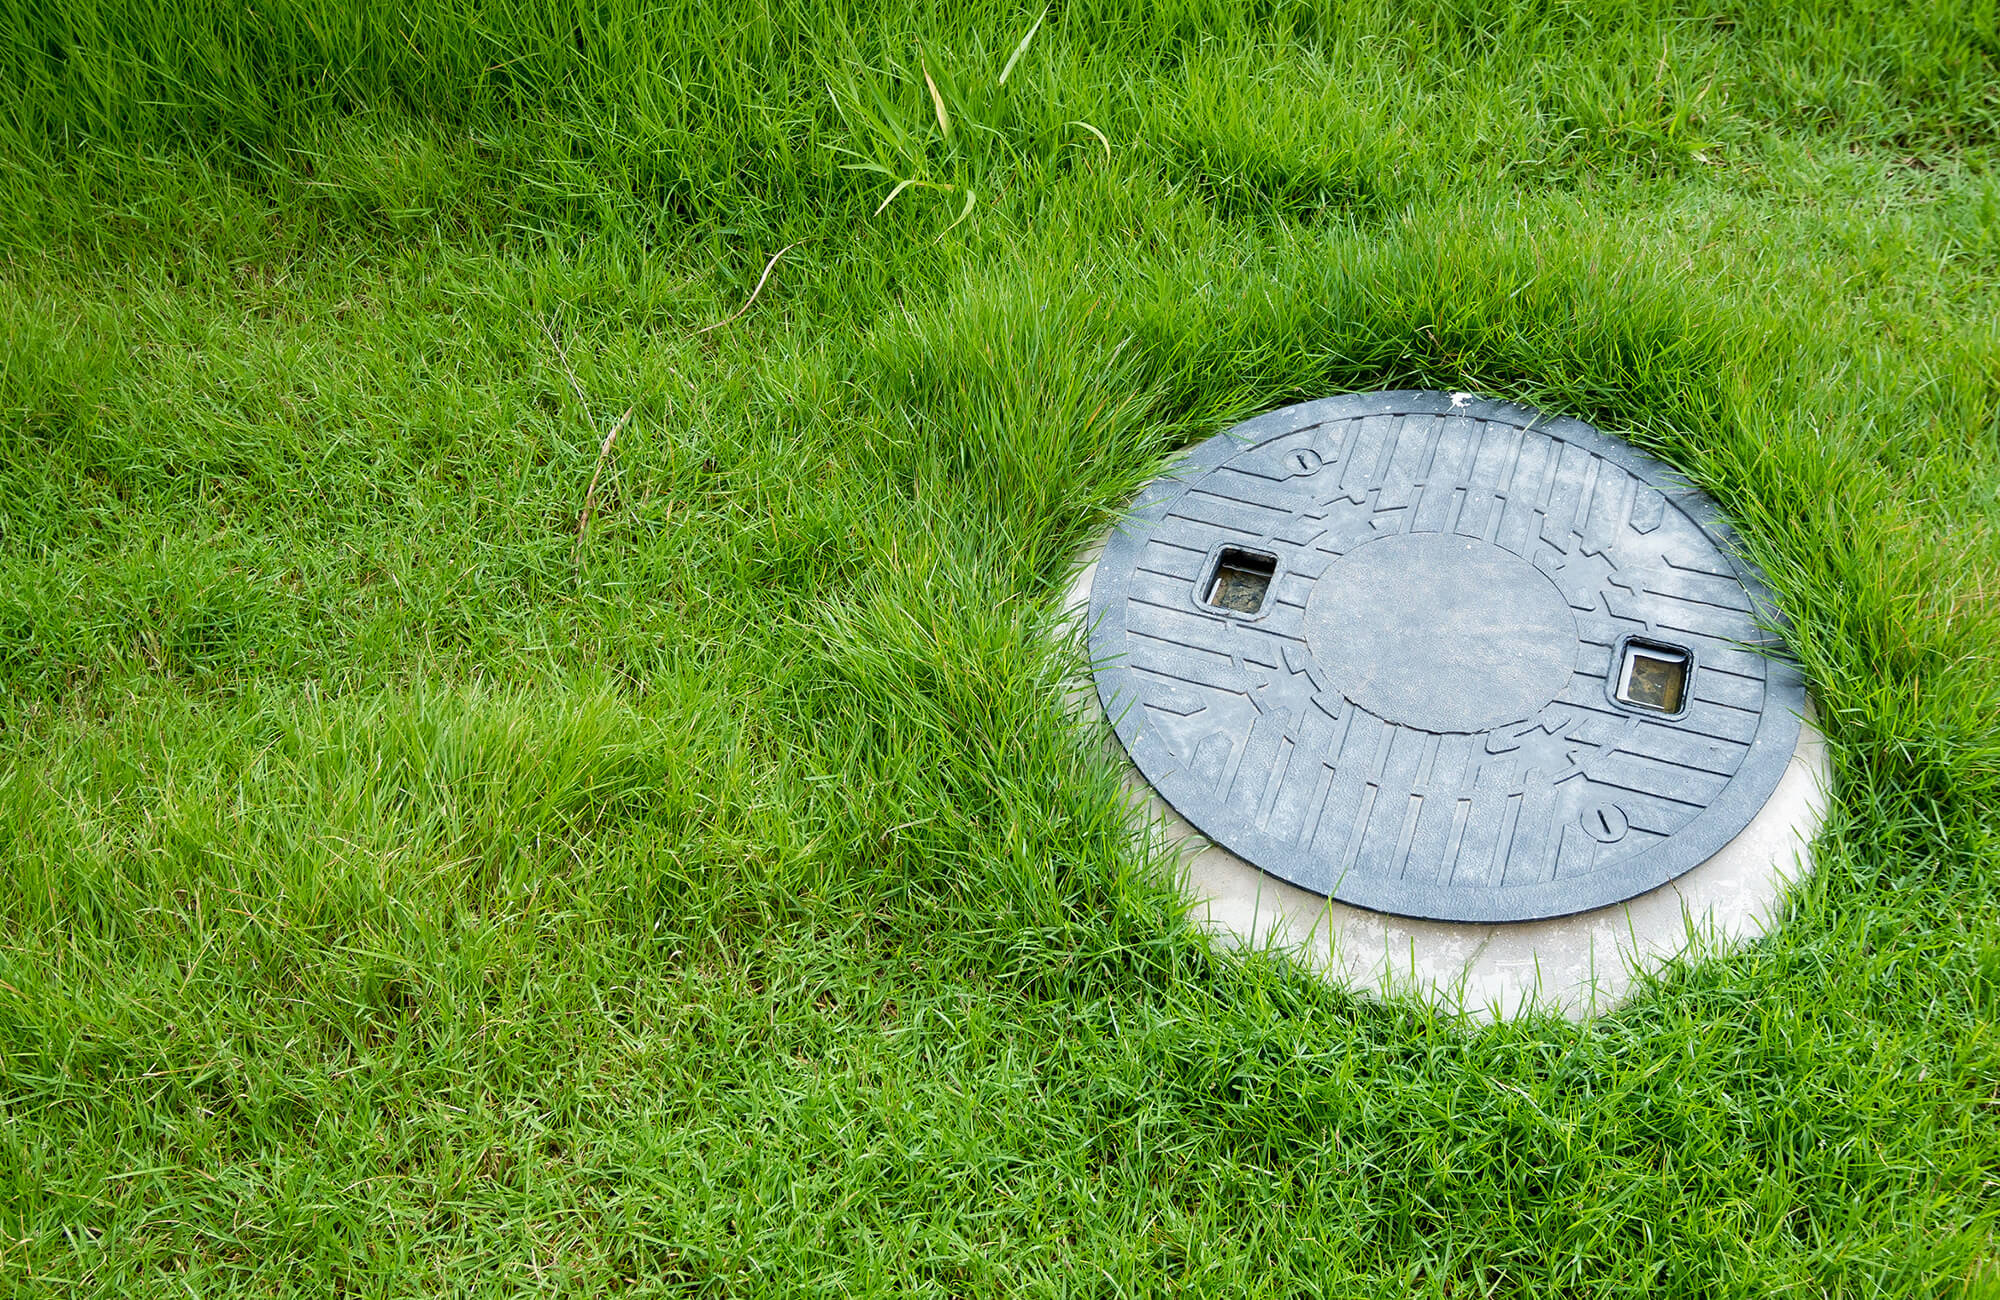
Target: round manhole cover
(1442,657)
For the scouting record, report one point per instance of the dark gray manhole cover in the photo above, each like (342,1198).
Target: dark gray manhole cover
(1441,657)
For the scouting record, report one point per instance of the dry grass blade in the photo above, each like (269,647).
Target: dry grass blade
(1022,48)
(901,185)
(590,493)
(937,102)
(1100,137)
(754,292)
(971,197)
(562,356)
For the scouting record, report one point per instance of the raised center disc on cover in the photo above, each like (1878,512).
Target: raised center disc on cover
(1441,657)
(1442,632)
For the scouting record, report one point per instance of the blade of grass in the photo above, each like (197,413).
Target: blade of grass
(964,212)
(753,293)
(1022,48)
(900,187)
(590,493)
(1100,137)
(937,100)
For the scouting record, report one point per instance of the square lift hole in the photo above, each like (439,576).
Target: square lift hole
(1654,677)
(1240,581)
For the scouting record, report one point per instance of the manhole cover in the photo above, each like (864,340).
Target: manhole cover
(1441,657)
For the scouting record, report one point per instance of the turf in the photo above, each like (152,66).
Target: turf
(426,872)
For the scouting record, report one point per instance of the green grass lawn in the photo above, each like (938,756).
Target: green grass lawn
(423,872)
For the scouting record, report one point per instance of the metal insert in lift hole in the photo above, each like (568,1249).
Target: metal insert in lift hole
(1241,580)
(1654,677)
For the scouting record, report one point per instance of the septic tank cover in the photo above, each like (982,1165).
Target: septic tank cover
(1442,657)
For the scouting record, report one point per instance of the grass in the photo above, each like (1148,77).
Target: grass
(408,890)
